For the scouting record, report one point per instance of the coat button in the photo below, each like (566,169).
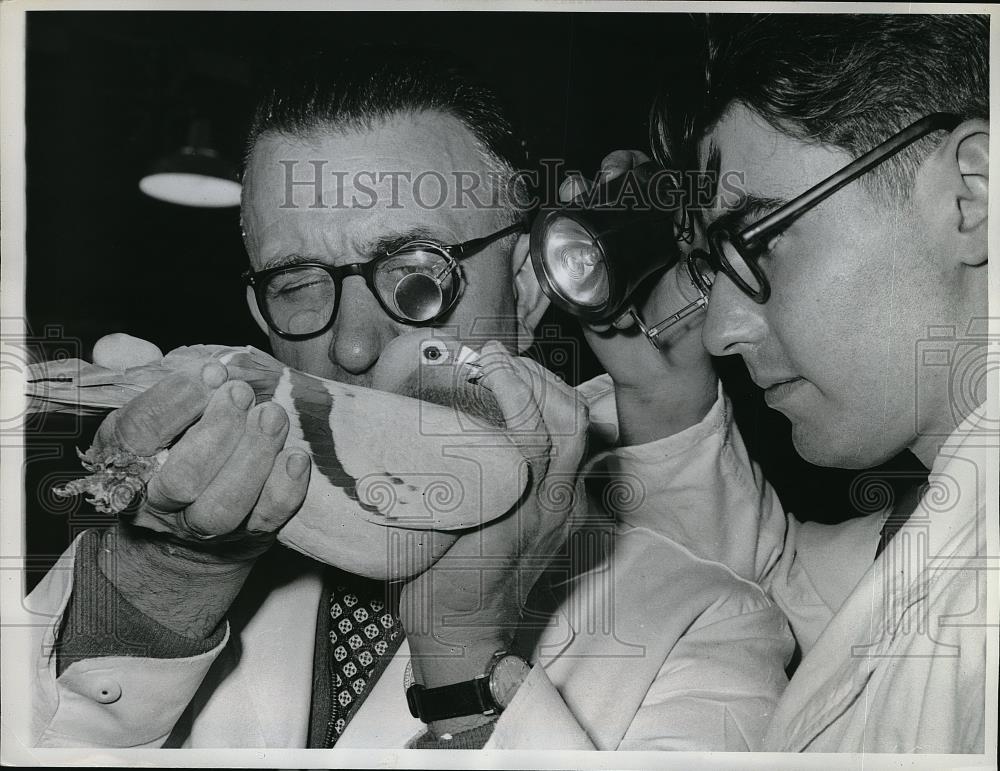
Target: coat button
(105,691)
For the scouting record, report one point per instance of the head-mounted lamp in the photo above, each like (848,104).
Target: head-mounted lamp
(592,254)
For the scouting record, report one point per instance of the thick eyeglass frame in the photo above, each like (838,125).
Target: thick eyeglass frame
(452,253)
(752,241)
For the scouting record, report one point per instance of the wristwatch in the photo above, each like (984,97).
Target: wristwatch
(486,694)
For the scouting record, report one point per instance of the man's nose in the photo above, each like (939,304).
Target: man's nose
(362,329)
(733,322)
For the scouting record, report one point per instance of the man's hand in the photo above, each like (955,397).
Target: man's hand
(226,487)
(658,393)
(459,612)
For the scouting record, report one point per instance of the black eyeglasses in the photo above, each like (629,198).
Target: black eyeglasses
(736,254)
(416,284)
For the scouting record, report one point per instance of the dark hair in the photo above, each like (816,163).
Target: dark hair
(358,90)
(850,81)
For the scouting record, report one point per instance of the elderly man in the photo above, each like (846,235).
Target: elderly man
(652,646)
(852,280)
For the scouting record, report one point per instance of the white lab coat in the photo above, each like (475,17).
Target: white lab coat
(895,647)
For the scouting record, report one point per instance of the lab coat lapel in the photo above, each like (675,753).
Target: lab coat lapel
(858,639)
(261,686)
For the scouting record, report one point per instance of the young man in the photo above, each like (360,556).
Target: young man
(860,307)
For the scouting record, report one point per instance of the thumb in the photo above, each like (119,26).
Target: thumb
(121,351)
(572,187)
(618,162)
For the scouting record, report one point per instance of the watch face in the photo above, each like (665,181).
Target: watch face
(506,677)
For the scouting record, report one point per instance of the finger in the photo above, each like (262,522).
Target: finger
(618,162)
(151,421)
(555,459)
(564,412)
(121,351)
(541,379)
(231,495)
(513,394)
(624,321)
(555,399)
(283,492)
(195,460)
(572,187)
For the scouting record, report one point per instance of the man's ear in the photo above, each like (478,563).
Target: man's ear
(968,156)
(531,300)
(255,311)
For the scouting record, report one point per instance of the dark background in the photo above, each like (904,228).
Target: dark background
(108,93)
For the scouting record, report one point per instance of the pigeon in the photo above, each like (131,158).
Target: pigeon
(397,468)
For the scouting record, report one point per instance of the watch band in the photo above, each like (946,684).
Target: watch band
(471,697)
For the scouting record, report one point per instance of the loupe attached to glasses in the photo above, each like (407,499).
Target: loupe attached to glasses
(420,297)
(591,255)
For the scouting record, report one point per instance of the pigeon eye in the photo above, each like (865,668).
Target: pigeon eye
(433,352)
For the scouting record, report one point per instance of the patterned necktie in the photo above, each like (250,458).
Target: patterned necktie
(364,636)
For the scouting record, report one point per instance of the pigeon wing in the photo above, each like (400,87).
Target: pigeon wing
(399,461)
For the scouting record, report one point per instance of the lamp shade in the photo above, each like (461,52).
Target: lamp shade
(195,175)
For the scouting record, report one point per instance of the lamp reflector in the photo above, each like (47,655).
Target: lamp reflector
(574,263)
